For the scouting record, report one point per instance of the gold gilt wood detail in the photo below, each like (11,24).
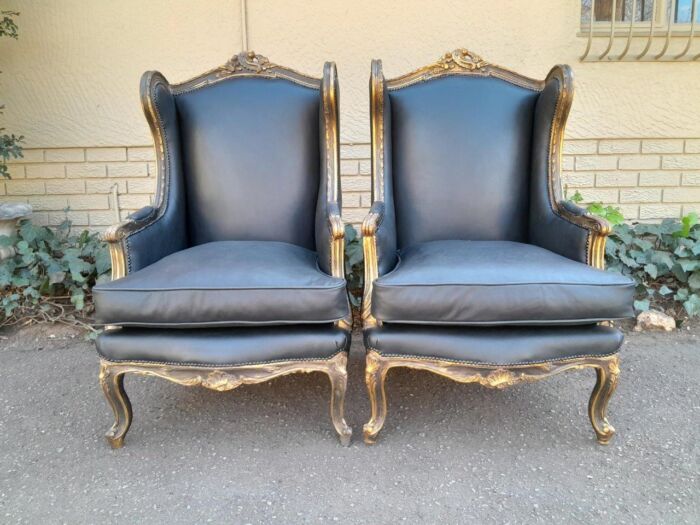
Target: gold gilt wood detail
(598,229)
(330,171)
(493,376)
(463,62)
(246,64)
(220,379)
(373,219)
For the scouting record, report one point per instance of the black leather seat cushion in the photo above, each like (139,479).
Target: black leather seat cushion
(223,346)
(228,283)
(497,282)
(507,345)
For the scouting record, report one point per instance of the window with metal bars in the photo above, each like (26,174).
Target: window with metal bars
(640,10)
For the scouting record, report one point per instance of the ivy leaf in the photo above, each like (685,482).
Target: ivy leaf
(665,290)
(643,244)
(641,306)
(689,265)
(694,281)
(681,295)
(5,275)
(103,262)
(692,305)
(687,223)
(659,257)
(628,261)
(679,273)
(57,277)
(7,240)
(652,270)
(77,297)
(22,247)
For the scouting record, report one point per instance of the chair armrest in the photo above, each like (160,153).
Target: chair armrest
(378,244)
(556,224)
(337,231)
(121,245)
(594,229)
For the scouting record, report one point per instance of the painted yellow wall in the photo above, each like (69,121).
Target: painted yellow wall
(72,78)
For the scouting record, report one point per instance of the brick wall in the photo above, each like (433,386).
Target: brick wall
(82,181)
(649,179)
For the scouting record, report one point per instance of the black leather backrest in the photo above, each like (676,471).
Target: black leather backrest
(461,159)
(250,150)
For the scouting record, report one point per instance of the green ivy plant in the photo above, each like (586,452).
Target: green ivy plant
(51,276)
(664,260)
(609,213)
(9,144)
(354,267)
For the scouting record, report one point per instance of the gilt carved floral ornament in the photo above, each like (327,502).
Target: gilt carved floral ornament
(461,59)
(247,61)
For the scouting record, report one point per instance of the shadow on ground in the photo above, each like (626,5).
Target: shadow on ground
(268,453)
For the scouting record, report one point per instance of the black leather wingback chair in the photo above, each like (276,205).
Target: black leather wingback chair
(235,275)
(475,267)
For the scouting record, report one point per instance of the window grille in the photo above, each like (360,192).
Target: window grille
(640,30)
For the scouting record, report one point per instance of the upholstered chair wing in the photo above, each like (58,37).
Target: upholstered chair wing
(476,268)
(235,274)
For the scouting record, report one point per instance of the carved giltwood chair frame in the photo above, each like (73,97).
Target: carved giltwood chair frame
(464,63)
(223,378)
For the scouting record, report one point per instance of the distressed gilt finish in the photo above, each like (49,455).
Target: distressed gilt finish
(220,379)
(492,376)
(245,64)
(374,218)
(464,62)
(330,170)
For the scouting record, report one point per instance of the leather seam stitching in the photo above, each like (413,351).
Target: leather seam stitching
(467,285)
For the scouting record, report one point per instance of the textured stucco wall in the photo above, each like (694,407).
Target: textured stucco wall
(72,78)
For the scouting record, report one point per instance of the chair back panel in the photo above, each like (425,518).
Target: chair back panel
(461,159)
(250,149)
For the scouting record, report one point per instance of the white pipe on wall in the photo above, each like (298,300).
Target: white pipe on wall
(244,26)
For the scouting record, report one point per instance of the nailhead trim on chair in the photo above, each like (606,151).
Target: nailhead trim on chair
(198,365)
(478,363)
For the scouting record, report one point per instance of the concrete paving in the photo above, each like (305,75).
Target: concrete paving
(267,453)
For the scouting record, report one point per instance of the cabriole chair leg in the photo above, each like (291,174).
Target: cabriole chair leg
(338,375)
(113,388)
(605,386)
(375,376)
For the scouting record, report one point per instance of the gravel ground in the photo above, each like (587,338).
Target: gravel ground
(267,453)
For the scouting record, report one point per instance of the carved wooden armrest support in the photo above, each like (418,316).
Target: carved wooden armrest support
(115,235)
(370,226)
(581,217)
(598,229)
(337,228)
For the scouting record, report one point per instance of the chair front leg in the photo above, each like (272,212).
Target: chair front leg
(607,375)
(375,376)
(338,375)
(113,388)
